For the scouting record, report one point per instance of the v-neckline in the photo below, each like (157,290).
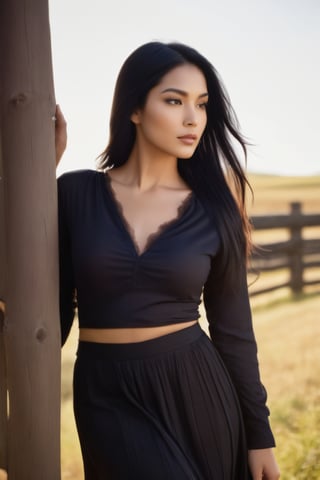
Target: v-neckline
(153,236)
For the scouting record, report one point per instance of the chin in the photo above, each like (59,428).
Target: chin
(186,155)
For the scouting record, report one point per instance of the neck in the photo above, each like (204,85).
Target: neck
(146,170)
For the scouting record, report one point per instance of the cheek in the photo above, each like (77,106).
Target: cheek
(157,122)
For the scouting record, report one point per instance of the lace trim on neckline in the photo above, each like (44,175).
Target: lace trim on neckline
(161,228)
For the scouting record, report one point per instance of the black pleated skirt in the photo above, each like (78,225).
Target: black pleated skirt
(160,409)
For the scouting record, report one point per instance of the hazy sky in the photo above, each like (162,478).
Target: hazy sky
(267,52)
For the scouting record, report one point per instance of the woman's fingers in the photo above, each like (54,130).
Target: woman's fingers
(263,465)
(60,133)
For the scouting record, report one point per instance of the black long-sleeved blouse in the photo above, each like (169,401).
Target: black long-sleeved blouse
(118,287)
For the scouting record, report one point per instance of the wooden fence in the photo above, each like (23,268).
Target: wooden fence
(297,254)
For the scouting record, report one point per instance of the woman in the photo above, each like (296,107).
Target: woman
(141,239)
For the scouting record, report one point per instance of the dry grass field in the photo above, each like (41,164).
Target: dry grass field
(288,332)
(288,337)
(272,194)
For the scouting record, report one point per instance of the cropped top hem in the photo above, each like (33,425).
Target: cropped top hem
(139,325)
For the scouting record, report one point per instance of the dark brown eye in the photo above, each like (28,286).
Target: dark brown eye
(173,101)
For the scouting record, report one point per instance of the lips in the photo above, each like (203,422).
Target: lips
(188,137)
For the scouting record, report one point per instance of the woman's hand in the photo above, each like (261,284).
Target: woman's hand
(263,465)
(60,134)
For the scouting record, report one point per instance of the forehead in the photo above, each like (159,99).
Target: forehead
(186,77)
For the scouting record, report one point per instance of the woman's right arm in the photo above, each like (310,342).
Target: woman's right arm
(67,289)
(66,278)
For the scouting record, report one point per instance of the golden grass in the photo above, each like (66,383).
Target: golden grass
(71,461)
(273,194)
(288,338)
(3,475)
(287,332)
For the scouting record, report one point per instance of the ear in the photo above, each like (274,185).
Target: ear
(135,117)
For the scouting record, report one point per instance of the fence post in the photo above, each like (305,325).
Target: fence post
(296,258)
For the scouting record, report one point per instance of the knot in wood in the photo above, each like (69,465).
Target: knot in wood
(41,334)
(19,99)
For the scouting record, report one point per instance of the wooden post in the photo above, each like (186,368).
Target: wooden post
(31,334)
(296,258)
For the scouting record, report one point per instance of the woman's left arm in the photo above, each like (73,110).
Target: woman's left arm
(263,464)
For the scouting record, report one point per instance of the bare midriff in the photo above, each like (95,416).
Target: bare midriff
(130,335)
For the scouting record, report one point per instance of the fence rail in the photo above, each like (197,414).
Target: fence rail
(297,255)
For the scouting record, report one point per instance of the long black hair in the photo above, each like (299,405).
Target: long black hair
(214,172)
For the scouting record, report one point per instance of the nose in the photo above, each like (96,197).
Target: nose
(189,123)
(190,118)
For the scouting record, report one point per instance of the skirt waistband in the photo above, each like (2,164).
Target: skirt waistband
(146,348)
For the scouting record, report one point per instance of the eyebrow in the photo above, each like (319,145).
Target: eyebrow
(182,92)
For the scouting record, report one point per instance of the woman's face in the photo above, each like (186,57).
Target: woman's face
(174,116)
